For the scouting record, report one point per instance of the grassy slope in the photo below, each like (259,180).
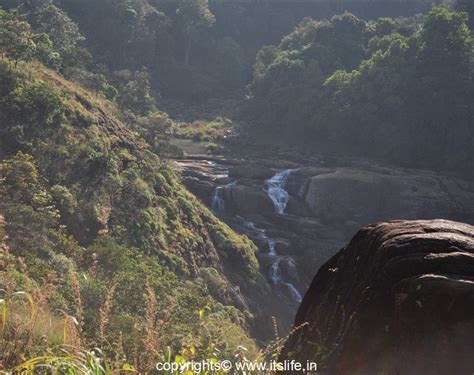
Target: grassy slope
(85,194)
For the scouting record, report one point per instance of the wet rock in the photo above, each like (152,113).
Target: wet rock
(399,299)
(283,246)
(297,207)
(302,226)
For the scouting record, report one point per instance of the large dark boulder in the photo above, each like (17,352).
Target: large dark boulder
(399,299)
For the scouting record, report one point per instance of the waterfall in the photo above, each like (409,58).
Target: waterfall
(217,200)
(275,272)
(279,196)
(276,190)
(271,247)
(295,294)
(275,268)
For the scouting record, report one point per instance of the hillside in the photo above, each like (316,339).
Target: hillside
(88,208)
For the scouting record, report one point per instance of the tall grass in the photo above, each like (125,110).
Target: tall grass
(30,345)
(53,344)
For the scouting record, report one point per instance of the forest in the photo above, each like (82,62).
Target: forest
(108,262)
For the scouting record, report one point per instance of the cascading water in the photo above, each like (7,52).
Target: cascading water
(295,294)
(279,196)
(217,200)
(275,190)
(275,268)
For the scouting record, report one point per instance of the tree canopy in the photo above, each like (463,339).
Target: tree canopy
(398,96)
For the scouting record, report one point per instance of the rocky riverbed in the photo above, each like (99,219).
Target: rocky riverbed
(301,214)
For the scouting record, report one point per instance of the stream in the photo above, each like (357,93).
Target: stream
(301,213)
(275,189)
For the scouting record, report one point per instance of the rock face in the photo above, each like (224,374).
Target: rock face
(399,299)
(244,200)
(371,195)
(327,204)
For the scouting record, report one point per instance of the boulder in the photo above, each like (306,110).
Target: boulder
(399,299)
(283,246)
(297,207)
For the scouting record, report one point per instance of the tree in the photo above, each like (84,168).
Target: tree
(135,94)
(193,16)
(16,37)
(45,51)
(63,32)
(445,44)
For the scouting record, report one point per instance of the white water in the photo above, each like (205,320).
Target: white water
(276,190)
(294,292)
(279,196)
(275,268)
(217,200)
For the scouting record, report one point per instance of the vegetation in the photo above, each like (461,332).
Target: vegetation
(203,130)
(194,50)
(100,244)
(391,89)
(97,228)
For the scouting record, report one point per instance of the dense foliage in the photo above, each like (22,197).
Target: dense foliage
(391,89)
(95,226)
(193,49)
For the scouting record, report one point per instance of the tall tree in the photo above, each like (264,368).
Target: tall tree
(193,16)
(63,33)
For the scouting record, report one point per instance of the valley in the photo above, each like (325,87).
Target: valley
(208,181)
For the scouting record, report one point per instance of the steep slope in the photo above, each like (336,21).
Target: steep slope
(399,299)
(80,191)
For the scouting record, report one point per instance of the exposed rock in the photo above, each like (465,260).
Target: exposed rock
(297,207)
(399,299)
(302,225)
(289,269)
(201,188)
(367,196)
(251,171)
(244,200)
(282,246)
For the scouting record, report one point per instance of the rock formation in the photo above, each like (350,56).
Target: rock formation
(399,299)
(374,194)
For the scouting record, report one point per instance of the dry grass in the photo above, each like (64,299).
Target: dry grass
(105,314)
